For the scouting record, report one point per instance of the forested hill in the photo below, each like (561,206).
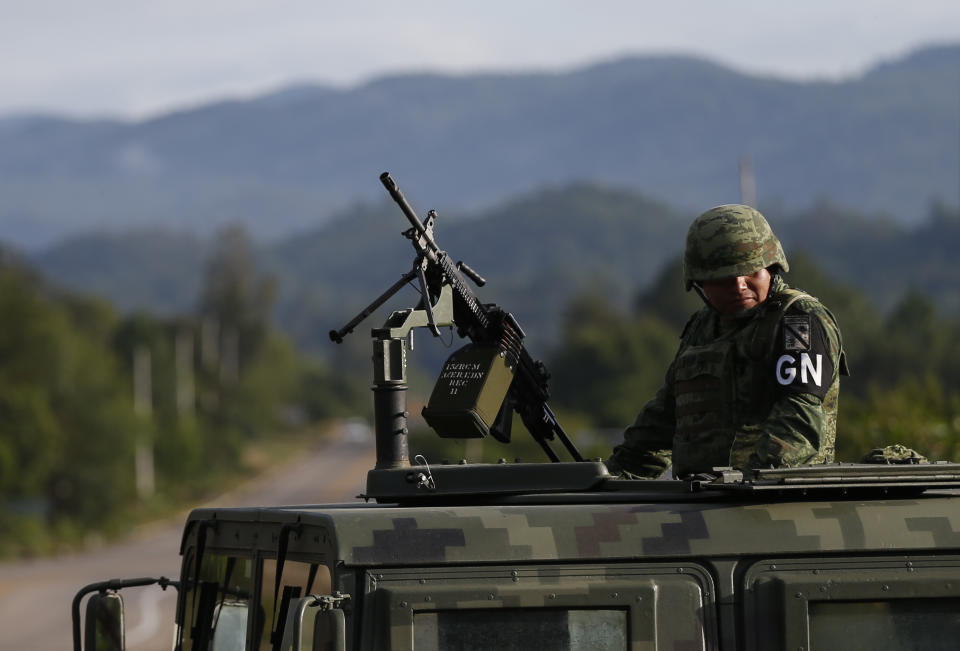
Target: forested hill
(672,128)
(537,251)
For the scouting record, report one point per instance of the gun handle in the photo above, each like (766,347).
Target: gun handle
(478,280)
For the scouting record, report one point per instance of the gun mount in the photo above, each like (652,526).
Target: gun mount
(481,384)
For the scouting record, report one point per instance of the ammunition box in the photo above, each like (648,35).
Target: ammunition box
(469,392)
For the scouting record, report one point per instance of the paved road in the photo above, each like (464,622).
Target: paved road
(35,596)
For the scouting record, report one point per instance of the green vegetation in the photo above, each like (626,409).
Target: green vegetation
(82,388)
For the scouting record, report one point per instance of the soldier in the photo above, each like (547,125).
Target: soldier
(756,379)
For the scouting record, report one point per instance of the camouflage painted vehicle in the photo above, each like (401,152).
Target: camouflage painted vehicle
(522,556)
(561,556)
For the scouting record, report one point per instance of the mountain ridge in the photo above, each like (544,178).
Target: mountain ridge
(670,127)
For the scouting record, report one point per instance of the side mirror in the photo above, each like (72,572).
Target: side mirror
(316,623)
(104,615)
(329,630)
(103,623)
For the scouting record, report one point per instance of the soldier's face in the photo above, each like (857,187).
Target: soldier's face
(728,295)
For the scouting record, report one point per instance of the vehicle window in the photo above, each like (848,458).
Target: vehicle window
(521,608)
(298,580)
(879,603)
(216,603)
(521,629)
(884,625)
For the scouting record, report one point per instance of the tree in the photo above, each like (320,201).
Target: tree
(609,364)
(236,299)
(66,424)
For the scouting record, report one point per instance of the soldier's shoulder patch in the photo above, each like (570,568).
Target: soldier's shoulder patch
(796,331)
(803,363)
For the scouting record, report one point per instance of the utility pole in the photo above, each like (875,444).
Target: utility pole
(210,362)
(143,407)
(230,356)
(210,342)
(186,389)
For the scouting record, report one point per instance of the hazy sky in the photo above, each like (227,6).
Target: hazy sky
(136,58)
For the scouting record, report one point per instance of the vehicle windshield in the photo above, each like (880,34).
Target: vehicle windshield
(216,603)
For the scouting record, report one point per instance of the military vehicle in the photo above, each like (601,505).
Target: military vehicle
(557,555)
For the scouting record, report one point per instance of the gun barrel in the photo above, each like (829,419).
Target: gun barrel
(411,214)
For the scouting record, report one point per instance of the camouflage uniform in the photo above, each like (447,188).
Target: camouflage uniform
(757,388)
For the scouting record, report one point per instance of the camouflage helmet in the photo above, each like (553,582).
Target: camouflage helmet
(730,240)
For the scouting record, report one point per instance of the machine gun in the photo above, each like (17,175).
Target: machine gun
(481,384)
